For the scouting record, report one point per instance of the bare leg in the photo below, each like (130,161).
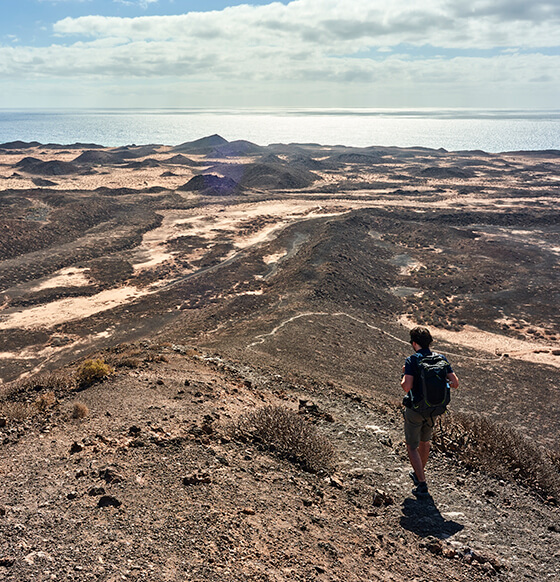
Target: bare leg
(416,462)
(424,450)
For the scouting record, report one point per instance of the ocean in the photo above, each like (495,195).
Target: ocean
(453,129)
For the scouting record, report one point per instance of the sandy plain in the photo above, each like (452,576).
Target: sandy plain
(260,214)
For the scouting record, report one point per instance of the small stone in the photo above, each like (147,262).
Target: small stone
(2,511)
(448,552)
(336,482)
(307,502)
(3,422)
(380,498)
(95,491)
(248,511)
(434,547)
(6,562)
(108,501)
(196,479)
(187,383)
(76,448)
(109,475)
(160,382)
(72,495)
(134,430)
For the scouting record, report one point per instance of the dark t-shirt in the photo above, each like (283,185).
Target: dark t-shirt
(411,367)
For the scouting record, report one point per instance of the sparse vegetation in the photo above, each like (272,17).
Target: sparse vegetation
(282,431)
(499,450)
(79,410)
(15,410)
(45,401)
(92,371)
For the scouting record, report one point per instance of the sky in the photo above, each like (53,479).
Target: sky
(302,53)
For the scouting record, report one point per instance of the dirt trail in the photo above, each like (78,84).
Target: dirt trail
(251,516)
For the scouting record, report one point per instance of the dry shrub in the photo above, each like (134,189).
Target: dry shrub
(499,450)
(16,410)
(129,363)
(45,401)
(92,371)
(132,356)
(291,436)
(79,410)
(60,380)
(156,358)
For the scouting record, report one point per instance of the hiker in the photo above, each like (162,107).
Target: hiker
(420,410)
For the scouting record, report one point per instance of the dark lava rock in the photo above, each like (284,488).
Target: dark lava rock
(95,491)
(201,146)
(445,172)
(19,145)
(96,157)
(181,160)
(147,163)
(211,185)
(76,448)
(110,475)
(43,183)
(196,479)
(49,168)
(108,501)
(236,148)
(6,562)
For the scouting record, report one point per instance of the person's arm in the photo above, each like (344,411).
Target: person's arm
(453,380)
(407,382)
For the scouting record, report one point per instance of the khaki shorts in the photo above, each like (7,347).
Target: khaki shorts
(417,428)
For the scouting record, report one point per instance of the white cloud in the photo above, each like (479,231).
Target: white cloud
(141,3)
(310,44)
(345,24)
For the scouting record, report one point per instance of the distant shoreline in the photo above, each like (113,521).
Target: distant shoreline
(492,131)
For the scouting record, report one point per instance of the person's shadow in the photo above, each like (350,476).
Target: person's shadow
(422,517)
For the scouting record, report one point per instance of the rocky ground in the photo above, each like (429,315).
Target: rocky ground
(152,485)
(289,276)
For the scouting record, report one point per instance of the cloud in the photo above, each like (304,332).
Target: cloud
(141,3)
(371,22)
(310,43)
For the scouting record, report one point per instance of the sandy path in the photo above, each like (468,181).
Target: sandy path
(493,343)
(70,309)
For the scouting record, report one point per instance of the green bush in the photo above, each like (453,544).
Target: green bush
(92,371)
(282,431)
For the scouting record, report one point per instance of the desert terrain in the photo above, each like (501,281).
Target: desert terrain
(218,277)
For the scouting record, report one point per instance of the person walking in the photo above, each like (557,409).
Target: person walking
(419,424)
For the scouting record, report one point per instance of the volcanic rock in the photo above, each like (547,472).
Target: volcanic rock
(211,185)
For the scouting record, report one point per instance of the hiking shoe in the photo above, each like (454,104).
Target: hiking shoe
(421,490)
(414,478)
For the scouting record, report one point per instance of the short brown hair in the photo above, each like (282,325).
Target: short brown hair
(422,336)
